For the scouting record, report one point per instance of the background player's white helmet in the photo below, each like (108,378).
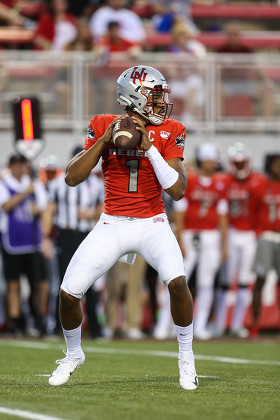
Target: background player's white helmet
(140,88)
(239,160)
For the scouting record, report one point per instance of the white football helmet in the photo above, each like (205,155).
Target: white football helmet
(239,160)
(142,88)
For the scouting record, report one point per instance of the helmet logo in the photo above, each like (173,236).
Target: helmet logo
(138,75)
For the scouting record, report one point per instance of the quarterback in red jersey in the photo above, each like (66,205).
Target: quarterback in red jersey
(241,184)
(138,191)
(268,248)
(202,230)
(133,220)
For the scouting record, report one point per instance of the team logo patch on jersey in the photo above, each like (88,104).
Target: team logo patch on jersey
(90,133)
(158,219)
(180,140)
(165,135)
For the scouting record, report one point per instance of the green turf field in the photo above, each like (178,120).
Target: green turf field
(139,380)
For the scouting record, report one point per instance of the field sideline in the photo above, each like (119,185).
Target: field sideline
(139,380)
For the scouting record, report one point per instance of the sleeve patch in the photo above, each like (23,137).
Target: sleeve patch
(180,140)
(90,133)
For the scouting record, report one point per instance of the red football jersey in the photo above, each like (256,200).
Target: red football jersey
(268,206)
(202,200)
(242,200)
(131,186)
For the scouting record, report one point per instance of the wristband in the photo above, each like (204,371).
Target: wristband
(166,175)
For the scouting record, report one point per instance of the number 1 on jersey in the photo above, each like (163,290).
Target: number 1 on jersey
(133,165)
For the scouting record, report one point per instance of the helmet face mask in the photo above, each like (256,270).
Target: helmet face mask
(239,161)
(145,91)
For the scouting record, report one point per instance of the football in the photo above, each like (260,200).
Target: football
(125,135)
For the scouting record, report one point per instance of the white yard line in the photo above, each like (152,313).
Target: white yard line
(43,374)
(175,354)
(27,414)
(157,353)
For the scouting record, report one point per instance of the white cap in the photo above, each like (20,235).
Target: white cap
(207,151)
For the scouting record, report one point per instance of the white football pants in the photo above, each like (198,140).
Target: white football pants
(114,236)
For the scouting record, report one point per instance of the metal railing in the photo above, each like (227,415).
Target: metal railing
(221,92)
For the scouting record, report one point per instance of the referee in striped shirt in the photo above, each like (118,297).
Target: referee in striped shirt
(73,212)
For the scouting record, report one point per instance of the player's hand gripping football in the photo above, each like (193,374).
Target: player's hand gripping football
(107,136)
(145,141)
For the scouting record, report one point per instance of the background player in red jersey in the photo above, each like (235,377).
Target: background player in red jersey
(202,231)
(268,248)
(241,183)
(133,220)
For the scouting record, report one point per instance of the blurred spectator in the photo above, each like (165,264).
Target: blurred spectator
(112,45)
(183,41)
(202,231)
(56,27)
(73,212)
(186,81)
(83,40)
(44,283)
(49,169)
(131,26)
(168,13)
(22,201)
(112,42)
(268,248)
(241,184)
(243,84)
(234,42)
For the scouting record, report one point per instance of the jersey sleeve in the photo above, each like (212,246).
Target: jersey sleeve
(94,132)
(97,127)
(175,144)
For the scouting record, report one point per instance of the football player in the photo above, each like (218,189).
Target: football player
(268,247)
(133,220)
(202,231)
(241,183)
